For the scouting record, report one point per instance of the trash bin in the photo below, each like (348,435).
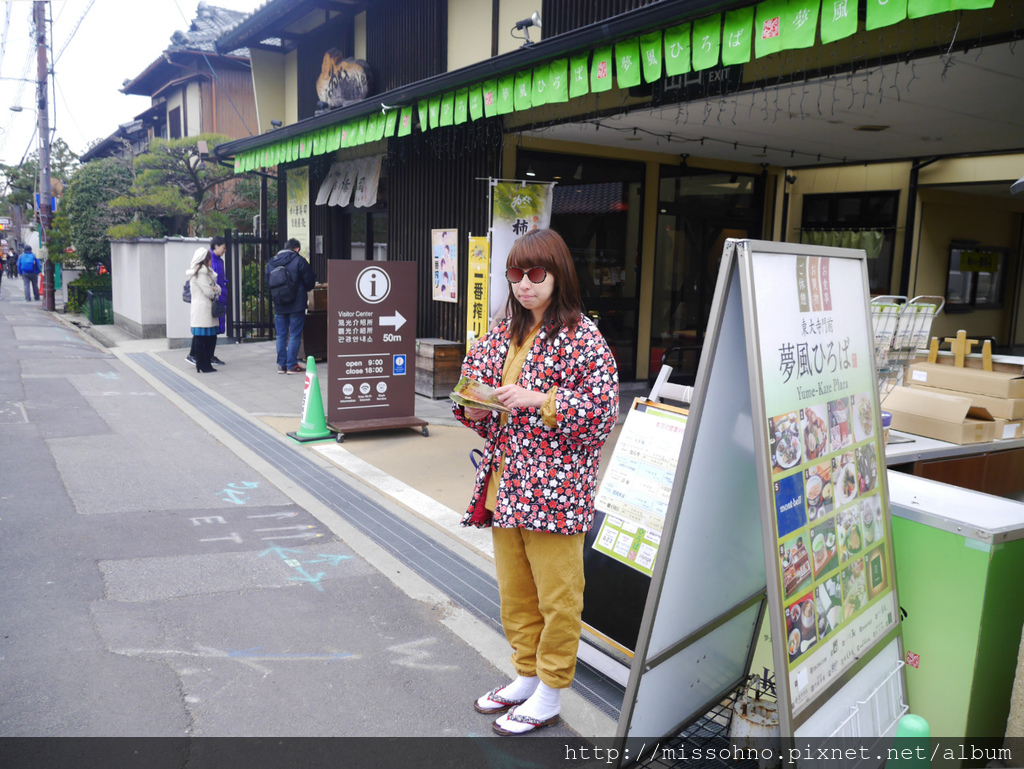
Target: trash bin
(959,558)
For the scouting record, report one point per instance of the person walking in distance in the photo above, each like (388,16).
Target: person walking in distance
(28,266)
(218,245)
(535,484)
(205,291)
(289,279)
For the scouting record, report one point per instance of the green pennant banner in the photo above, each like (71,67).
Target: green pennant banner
(524,88)
(558,81)
(579,83)
(601,70)
(539,94)
(424,114)
(361,131)
(971,5)
(476,102)
(305,146)
(884,13)
(461,106)
(677,50)
(405,124)
(627,63)
(489,93)
(768,27)
(293,151)
(447,109)
(390,122)
(375,127)
(736,37)
(506,92)
(434,108)
(238,164)
(650,54)
(837,20)
(707,42)
(918,8)
(799,23)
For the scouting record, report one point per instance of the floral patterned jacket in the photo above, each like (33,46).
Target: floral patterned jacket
(550,472)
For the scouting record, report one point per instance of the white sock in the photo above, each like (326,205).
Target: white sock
(543,704)
(520,689)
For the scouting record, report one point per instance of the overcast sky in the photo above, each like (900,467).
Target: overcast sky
(114,40)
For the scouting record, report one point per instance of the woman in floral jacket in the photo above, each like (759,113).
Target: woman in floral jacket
(535,486)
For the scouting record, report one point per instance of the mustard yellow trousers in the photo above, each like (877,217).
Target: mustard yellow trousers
(540,579)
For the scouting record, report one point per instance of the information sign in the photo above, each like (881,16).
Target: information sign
(827,519)
(371,340)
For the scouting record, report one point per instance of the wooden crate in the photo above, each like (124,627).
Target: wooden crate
(438,363)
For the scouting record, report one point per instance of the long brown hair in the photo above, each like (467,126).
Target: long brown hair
(545,248)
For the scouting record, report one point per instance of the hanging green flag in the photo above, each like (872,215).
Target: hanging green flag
(405,123)
(677,50)
(447,109)
(650,54)
(579,84)
(539,93)
(361,131)
(707,42)
(768,27)
(489,92)
(238,164)
(305,146)
(375,127)
(294,154)
(558,81)
(434,108)
(838,20)
(736,38)
(424,115)
(799,23)
(390,121)
(461,107)
(971,5)
(476,102)
(601,70)
(884,13)
(627,63)
(523,90)
(506,93)
(918,8)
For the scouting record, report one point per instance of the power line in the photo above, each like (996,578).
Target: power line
(74,31)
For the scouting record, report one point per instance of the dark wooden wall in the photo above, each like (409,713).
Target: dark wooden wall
(437,180)
(406,42)
(335,33)
(560,16)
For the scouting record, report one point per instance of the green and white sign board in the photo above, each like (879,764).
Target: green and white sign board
(779,507)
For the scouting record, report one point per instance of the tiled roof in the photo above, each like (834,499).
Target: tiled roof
(210,23)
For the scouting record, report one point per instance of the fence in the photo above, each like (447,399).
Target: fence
(99,307)
(250,312)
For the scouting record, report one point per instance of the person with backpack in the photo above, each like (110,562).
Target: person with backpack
(28,266)
(289,279)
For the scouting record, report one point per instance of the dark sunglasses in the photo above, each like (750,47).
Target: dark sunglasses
(535,274)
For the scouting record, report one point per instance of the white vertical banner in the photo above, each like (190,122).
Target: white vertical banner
(516,208)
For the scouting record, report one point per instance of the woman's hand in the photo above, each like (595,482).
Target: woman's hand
(516,397)
(475,415)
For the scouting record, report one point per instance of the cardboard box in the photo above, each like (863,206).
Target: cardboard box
(998,408)
(939,416)
(998,384)
(1007,430)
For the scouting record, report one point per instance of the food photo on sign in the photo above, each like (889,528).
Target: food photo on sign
(818,487)
(824,550)
(785,441)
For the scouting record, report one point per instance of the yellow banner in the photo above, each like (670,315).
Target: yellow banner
(477,273)
(979,261)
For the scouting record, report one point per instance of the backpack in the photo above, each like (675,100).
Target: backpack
(186,292)
(27,264)
(282,284)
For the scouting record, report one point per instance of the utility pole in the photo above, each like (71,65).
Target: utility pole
(43,112)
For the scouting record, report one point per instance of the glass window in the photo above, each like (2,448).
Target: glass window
(975,278)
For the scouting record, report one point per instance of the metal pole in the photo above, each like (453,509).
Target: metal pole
(42,89)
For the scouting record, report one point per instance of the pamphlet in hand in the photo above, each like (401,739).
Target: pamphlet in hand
(476,395)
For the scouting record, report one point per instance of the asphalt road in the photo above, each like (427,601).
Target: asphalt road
(155,584)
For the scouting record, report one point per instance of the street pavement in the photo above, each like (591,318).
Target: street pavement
(164,574)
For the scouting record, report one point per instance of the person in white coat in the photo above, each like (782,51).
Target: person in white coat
(205,325)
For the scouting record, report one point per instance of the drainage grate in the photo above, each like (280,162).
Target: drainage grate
(466,585)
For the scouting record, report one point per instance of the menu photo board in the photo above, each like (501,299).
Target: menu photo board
(828,541)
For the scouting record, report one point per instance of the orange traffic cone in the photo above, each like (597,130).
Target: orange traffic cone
(313,426)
